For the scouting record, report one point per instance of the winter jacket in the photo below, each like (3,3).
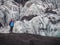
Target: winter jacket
(11,23)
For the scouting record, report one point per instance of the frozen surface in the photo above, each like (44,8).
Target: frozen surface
(46,23)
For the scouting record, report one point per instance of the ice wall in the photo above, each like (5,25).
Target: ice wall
(46,23)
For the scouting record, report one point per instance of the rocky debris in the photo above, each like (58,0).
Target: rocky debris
(50,11)
(27,39)
(28,17)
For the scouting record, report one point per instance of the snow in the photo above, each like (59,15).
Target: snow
(40,24)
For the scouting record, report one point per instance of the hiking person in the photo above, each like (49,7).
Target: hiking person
(5,20)
(11,24)
(1,25)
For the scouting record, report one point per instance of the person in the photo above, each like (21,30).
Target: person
(5,20)
(1,25)
(11,24)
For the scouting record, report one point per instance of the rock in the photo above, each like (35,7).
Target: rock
(27,39)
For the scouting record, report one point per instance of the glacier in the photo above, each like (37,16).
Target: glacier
(45,23)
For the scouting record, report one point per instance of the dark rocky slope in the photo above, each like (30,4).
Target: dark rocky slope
(27,39)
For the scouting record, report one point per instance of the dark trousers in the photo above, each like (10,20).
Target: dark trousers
(1,25)
(11,29)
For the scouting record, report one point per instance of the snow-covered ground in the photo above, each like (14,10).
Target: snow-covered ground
(45,24)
